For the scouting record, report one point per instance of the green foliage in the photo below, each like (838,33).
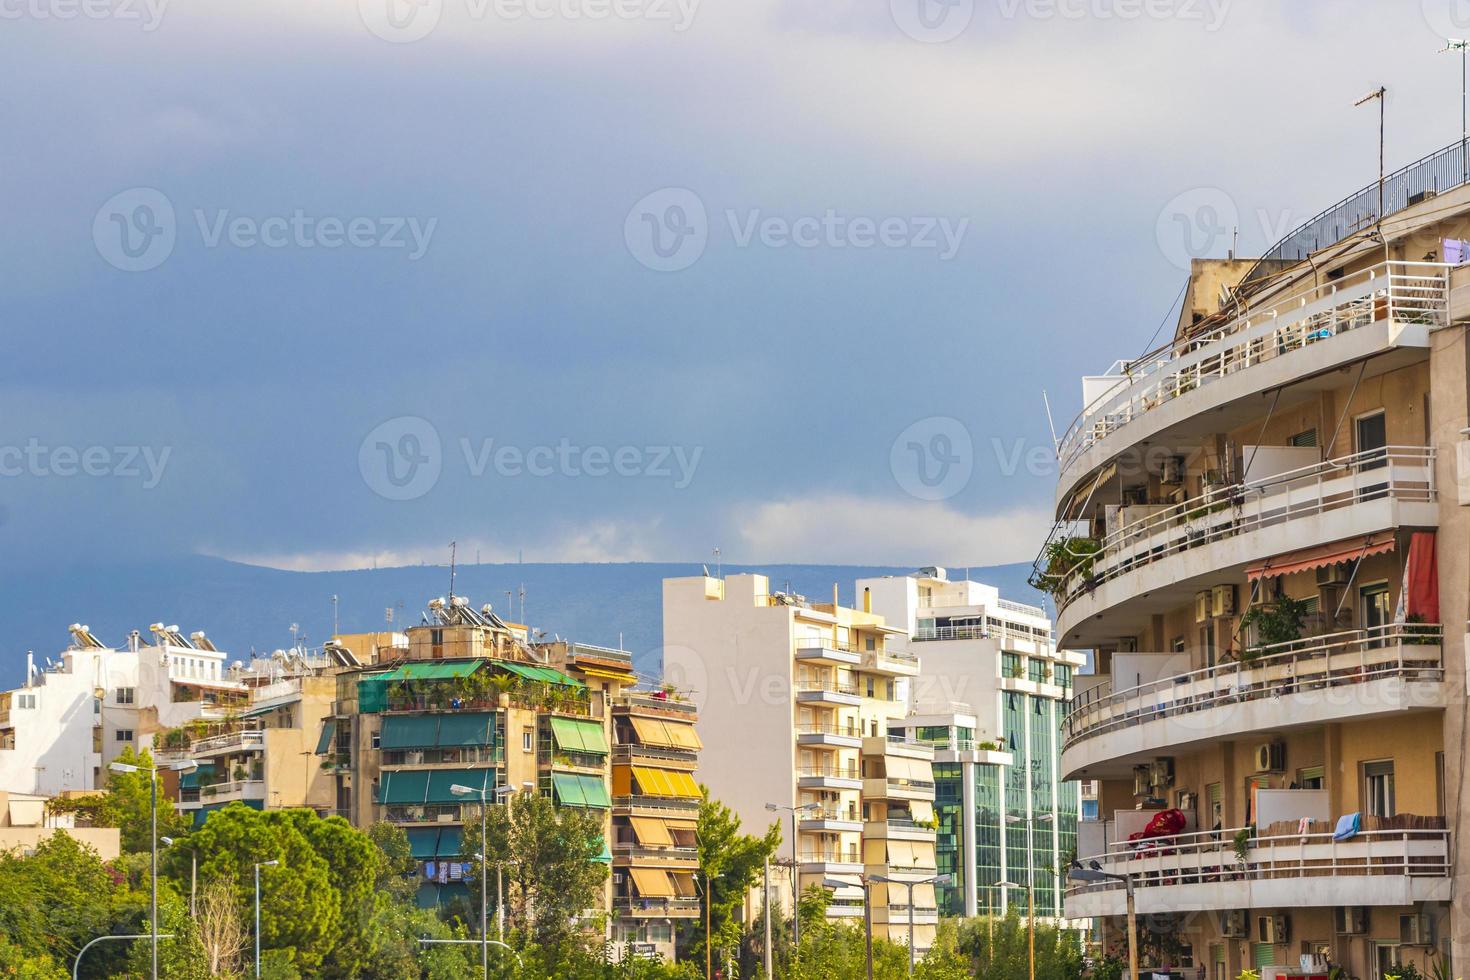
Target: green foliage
(126,804)
(1004,955)
(22,965)
(179,958)
(730,862)
(396,875)
(548,855)
(1277,622)
(1062,558)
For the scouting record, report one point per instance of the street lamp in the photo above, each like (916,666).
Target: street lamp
(193,870)
(909,885)
(795,867)
(152,772)
(1455,44)
(258,866)
(1094,874)
(1030,925)
(499,793)
(835,883)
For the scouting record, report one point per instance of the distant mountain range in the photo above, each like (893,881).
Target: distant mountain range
(245,607)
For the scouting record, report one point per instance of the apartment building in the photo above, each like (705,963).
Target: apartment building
(990,699)
(61,728)
(795,701)
(1260,530)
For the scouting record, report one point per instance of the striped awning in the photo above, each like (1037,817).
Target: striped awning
(1322,555)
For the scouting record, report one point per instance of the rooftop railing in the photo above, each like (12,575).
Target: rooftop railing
(1334,661)
(1413,292)
(1402,473)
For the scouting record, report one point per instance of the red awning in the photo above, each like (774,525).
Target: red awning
(1326,554)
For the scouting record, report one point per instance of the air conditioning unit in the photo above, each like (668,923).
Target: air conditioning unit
(1271,757)
(1335,574)
(1273,930)
(1173,470)
(1351,920)
(1416,930)
(1222,600)
(1203,605)
(1233,924)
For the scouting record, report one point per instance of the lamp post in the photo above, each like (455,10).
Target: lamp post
(909,885)
(795,869)
(1455,44)
(484,795)
(152,772)
(1095,873)
(193,871)
(1030,925)
(863,880)
(258,866)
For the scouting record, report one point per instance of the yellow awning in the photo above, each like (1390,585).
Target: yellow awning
(652,882)
(651,782)
(923,853)
(922,810)
(900,853)
(653,732)
(923,897)
(651,831)
(683,785)
(683,736)
(683,883)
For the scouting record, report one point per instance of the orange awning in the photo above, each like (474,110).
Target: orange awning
(1326,554)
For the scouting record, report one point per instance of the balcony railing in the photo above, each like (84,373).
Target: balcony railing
(670,803)
(831,813)
(630,753)
(833,772)
(932,633)
(830,857)
(1337,660)
(677,854)
(1210,857)
(1401,473)
(425,813)
(817,728)
(811,686)
(656,906)
(1411,292)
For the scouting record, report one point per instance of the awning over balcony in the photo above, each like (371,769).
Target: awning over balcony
(666,734)
(431,843)
(576,790)
(329,731)
(662,782)
(652,882)
(544,675)
(1322,555)
(462,730)
(651,831)
(573,735)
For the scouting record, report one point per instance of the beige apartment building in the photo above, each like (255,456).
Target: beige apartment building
(795,701)
(1261,532)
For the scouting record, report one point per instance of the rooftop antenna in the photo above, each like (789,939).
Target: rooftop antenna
(336,628)
(717,561)
(1378,94)
(453,545)
(1455,44)
(523,603)
(1056,446)
(294,630)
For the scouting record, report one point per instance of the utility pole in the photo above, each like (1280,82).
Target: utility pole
(1455,44)
(766,899)
(1380,93)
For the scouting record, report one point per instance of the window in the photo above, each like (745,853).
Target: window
(1312,778)
(1304,440)
(1374,608)
(1177,644)
(377,740)
(123,735)
(528,740)
(1089,809)
(1378,789)
(1207,643)
(124,695)
(1372,432)
(27,701)
(870,643)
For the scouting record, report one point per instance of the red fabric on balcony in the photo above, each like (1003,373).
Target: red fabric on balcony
(1326,554)
(1422,576)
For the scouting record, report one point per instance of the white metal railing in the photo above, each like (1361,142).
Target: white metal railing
(1336,660)
(253,738)
(1410,292)
(980,632)
(818,728)
(830,772)
(817,686)
(1208,857)
(1403,473)
(234,787)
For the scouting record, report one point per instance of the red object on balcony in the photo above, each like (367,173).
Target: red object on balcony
(1166,823)
(1422,576)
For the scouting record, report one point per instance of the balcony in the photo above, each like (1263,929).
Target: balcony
(232,790)
(240,741)
(1349,676)
(1156,564)
(664,908)
(830,862)
(661,758)
(655,857)
(880,788)
(828,692)
(831,820)
(829,736)
(836,777)
(1202,872)
(824,650)
(898,915)
(655,806)
(896,829)
(1209,383)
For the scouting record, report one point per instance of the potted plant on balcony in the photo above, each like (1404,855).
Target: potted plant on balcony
(1276,623)
(1067,556)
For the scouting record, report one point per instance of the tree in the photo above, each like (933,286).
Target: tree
(62,896)
(549,856)
(181,958)
(396,876)
(221,928)
(22,965)
(730,862)
(1058,952)
(126,804)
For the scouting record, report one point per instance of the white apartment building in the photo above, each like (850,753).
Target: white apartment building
(990,698)
(60,729)
(796,700)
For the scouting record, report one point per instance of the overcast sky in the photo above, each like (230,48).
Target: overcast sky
(321,283)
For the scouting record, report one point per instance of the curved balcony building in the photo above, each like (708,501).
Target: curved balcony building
(1260,535)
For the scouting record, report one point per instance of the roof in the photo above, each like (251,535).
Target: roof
(536,672)
(423,670)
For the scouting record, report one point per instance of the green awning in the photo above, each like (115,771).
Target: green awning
(573,735)
(449,842)
(460,730)
(544,675)
(606,856)
(576,790)
(429,670)
(372,694)
(410,732)
(404,786)
(568,789)
(440,781)
(423,843)
(329,730)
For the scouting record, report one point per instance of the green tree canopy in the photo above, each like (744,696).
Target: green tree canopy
(730,862)
(126,804)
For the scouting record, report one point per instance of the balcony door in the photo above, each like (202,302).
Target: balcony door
(1378,794)
(1375,610)
(1372,440)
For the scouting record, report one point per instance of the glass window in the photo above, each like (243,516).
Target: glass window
(1378,789)
(124,695)
(123,735)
